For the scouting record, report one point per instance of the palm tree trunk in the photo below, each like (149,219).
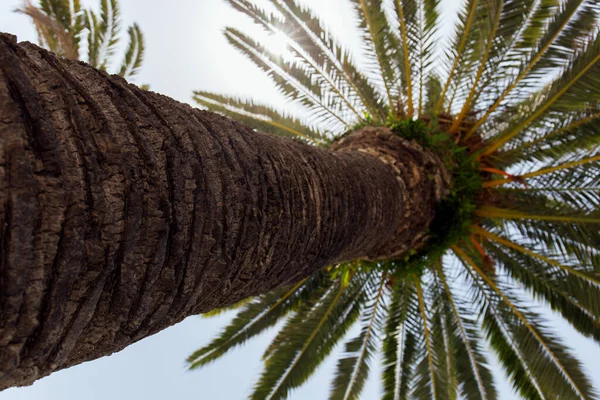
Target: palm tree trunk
(123,211)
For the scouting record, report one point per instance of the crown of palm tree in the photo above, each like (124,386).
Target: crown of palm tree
(513,107)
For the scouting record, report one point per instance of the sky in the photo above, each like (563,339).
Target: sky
(186,51)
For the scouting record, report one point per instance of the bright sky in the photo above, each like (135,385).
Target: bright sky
(186,51)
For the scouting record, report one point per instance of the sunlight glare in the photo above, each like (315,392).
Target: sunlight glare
(278,43)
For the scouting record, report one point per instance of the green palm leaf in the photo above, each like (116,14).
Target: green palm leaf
(62,24)
(537,45)
(463,53)
(473,374)
(259,116)
(426,384)
(292,80)
(506,24)
(327,77)
(573,297)
(574,26)
(134,56)
(564,136)
(353,367)
(379,44)
(308,338)
(257,316)
(107,32)
(316,42)
(565,94)
(557,373)
(399,345)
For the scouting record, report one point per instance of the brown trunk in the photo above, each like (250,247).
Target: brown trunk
(123,211)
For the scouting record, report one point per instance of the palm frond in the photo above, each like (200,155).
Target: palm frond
(93,26)
(323,66)
(406,12)
(584,197)
(134,55)
(506,55)
(259,116)
(575,24)
(62,24)
(495,9)
(429,356)
(474,375)
(220,311)
(560,137)
(507,19)
(308,338)
(399,346)
(557,371)
(568,228)
(539,42)
(537,24)
(590,277)
(293,81)
(462,48)
(314,38)
(256,316)
(506,349)
(58,30)
(574,298)
(444,348)
(544,171)
(379,44)
(104,30)
(353,367)
(574,89)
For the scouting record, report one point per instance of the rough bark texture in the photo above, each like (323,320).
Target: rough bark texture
(123,211)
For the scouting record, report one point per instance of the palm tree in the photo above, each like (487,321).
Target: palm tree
(122,211)
(512,108)
(61,26)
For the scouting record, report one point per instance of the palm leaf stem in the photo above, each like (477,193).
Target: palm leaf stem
(540,172)
(406,51)
(494,212)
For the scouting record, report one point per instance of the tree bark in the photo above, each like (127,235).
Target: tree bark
(123,211)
